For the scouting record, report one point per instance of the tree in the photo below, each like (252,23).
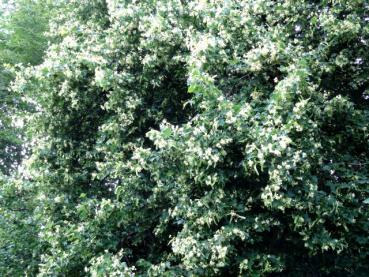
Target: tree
(22,41)
(19,251)
(202,138)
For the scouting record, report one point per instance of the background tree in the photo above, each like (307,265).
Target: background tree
(22,41)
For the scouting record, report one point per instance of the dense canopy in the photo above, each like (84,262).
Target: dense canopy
(195,138)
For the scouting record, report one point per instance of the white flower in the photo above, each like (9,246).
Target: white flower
(99,75)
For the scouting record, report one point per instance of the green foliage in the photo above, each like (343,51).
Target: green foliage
(18,230)
(22,41)
(202,138)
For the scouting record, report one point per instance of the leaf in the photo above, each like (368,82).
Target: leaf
(167,132)
(192,88)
